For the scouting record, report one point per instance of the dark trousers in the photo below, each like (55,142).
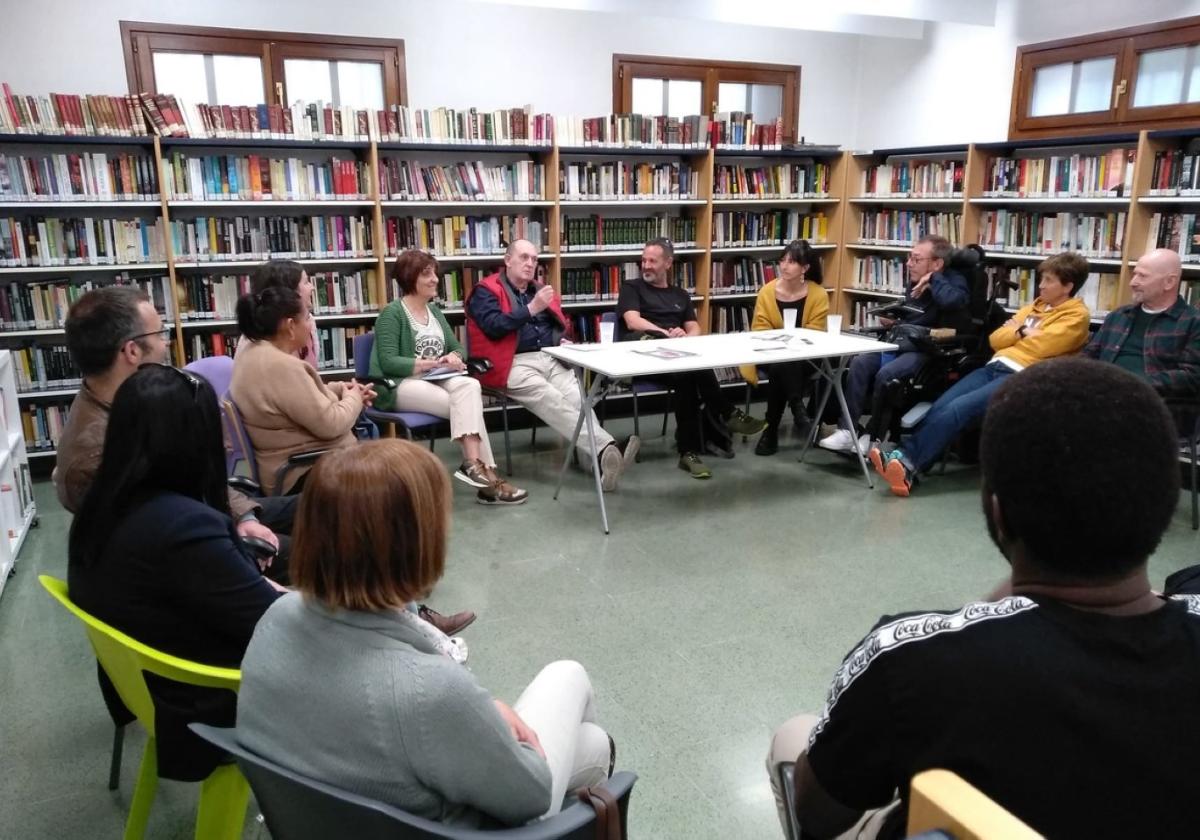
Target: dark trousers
(962,405)
(786,383)
(868,375)
(694,391)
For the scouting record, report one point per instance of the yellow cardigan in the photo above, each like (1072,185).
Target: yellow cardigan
(1064,331)
(768,317)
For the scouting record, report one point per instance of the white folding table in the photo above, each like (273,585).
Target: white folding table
(621,360)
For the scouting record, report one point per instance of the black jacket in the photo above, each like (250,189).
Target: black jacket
(944,303)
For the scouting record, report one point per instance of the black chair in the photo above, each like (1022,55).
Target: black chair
(640,385)
(299,808)
(1186,411)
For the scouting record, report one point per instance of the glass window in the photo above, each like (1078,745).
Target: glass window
(1075,87)
(648,96)
(1167,77)
(1093,88)
(308,79)
(683,98)
(210,79)
(1051,90)
(732,96)
(360,84)
(183,76)
(238,79)
(766,102)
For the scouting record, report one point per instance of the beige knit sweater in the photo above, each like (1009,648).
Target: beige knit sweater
(287,409)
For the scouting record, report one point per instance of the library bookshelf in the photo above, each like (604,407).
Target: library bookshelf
(589,208)
(18,512)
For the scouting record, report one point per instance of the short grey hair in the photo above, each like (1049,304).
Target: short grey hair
(665,244)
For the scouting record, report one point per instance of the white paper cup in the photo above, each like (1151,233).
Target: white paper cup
(789,318)
(833,324)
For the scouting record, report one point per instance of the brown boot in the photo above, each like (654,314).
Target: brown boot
(448,624)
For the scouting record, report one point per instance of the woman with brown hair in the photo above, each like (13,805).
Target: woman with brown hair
(289,274)
(388,716)
(412,338)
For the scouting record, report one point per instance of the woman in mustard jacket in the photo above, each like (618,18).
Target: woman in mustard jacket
(797,289)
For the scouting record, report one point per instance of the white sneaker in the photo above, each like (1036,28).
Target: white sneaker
(864,443)
(839,441)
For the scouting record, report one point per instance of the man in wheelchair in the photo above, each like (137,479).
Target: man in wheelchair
(1055,324)
(937,298)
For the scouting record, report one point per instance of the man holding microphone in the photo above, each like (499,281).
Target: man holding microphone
(510,318)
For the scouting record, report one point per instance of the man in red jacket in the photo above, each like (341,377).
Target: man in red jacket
(510,318)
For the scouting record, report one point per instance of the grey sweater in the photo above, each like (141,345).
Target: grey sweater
(364,703)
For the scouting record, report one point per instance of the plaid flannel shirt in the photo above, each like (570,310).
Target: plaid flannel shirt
(1172,346)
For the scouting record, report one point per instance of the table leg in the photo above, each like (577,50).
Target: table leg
(833,384)
(827,374)
(850,421)
(587,400)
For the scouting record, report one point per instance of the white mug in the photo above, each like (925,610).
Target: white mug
(833,324)
(789,318)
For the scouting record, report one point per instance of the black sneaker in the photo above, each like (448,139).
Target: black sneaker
(768,444)
(741,423)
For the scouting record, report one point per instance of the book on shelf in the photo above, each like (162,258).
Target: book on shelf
(71,114)
(1177,231)
(740,276)
(1080,175)
(503,127)
(454,284)
(217,238)
(409,180)
(626,180)
(335,346)
(635,131)
(1096,235)
(43,305)
(43,424)
(880,274)
(452,236)
(913,179)
(902,227)
(860,319)
(45,367)
(207,297)
(1176,172)
(585,328)
(777,181)
(599,233)
(88,176)
(253,177)
(43,241)
(202,345)
(741,228)
(602,282)
(738,130)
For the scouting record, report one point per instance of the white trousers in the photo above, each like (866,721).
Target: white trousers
(558,705)
(547,388)
(457,398)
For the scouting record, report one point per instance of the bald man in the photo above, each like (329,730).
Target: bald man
(510,318)
(1157,337)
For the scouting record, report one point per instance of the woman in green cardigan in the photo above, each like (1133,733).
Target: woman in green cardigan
(412,338)
(797,290)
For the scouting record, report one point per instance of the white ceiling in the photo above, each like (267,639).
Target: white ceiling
(884,18)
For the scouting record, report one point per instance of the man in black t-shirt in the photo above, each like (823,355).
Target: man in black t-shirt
(654,308)
(1071,702)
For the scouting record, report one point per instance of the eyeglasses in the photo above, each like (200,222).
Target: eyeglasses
(915,258)
(165,332)
(191,378)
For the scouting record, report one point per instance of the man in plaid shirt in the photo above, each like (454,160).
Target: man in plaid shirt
(1157,337)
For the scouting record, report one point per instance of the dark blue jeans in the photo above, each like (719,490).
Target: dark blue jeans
(963,404)
(868,374)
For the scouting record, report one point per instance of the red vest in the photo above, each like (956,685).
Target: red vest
(500,351)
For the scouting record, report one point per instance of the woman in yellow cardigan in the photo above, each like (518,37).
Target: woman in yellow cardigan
(797,290)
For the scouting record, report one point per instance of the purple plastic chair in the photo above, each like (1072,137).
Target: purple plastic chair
(218,371)
(406,421)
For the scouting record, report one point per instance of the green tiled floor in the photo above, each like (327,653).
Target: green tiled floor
(711,613)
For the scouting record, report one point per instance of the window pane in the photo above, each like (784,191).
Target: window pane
(1167,77)
(648,96)
(239,79)
(1051,90)
(731,96)
(360,84)
(307,79)
(181,75)
(1093,91)
(766,102)
(683,98)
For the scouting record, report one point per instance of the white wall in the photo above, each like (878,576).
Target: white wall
(953,86)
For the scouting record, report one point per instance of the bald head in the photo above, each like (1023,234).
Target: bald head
(1155,280)
(520,262)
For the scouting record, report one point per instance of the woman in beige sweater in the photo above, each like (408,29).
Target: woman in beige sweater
(285,406)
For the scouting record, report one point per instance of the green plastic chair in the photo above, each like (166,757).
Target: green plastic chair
(224,794)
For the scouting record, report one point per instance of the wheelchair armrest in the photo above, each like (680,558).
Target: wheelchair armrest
(246,485)
(259,549)
(300,459)
(478,364)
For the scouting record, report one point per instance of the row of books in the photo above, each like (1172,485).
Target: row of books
(634,131)
(859,319)
(43,425)
(44,367)
(209,297)
(784,180)
(1175,172)
(914,179)
(1177,231)
(742,228)
(335,346)
(603,282)
(741,276)
(65,113)
(455,284)
(90,176)
(44,305)
(891,226)
(1061,176)
(261,178)
(738,130)
(409,180)
(453,236)
(216,238)
(27,241)
(597,233)
(1099,292)
(1024,232)
(202,345)
(880,274)
(619,179)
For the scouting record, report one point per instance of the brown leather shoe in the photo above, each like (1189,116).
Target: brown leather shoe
(448,624)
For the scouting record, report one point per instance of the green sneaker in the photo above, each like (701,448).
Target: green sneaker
(691,463)
(741,423)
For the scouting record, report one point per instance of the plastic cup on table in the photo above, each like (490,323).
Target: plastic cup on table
(789,319)
(833,324)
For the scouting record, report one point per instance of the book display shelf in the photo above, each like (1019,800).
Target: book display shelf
(18,513)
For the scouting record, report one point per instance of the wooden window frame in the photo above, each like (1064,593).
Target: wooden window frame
(1120,117)
(140,40)
(710,74)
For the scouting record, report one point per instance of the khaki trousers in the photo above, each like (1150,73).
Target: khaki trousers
(457,398)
